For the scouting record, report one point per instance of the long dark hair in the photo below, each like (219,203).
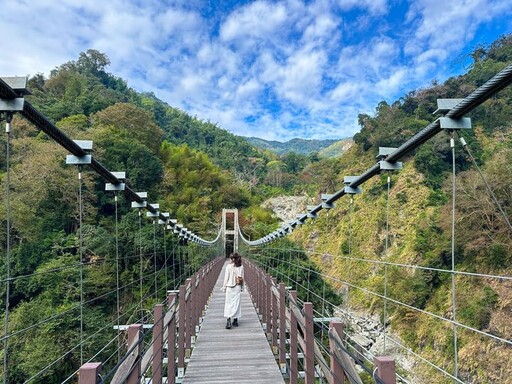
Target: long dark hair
(237,259)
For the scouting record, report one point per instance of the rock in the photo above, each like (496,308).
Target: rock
(286,208)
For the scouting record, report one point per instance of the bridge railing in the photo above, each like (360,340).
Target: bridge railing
(284,318)
(175,327)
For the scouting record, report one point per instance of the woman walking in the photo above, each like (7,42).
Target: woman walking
(233,286)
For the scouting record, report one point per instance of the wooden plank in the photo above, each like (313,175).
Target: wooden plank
(237,355)
(127,366)
(344,359)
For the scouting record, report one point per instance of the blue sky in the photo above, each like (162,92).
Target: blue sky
(271,69)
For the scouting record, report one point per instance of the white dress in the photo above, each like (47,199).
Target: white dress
(232,307)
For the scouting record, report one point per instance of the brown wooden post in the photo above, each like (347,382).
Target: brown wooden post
(338,375)
(309,358)
(268,304)
(258,282)
(134,336)
(196,302)
(181,331)
(189,319)
(282,327)
(386,369)
(158,336)
(204,293)
(199,300)
(207,290)
(275,311)
(261,287)
(89,373)
(247,276)
(294,364)
(171,340)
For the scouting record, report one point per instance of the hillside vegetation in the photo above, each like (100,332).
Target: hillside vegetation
(420,224)
(193,168)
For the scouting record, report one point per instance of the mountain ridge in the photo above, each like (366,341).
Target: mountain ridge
(297,145)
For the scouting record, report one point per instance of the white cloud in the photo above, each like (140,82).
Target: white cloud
(301,77)
(248,90)
(388,87)
(271,69)
(321,28)
(375,7)
(259,19)
(438,23)
(346,91)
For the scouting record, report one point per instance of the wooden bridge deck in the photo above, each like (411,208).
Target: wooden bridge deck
(238,355)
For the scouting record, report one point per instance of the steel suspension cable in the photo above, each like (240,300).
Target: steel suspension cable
(320,314)
(454,306)
(45,321)
(97,261)
(324,314)
(440,369)
(80,229)
(289,258)
(117,278)
(48,366)
(154,257)
(8,239)
(48,319)
(351,209)
(386,266)
(309,279)
(428,362)
(399,303)
(475,164)
(428,314)
(140,258)
(165,260)
(413,266)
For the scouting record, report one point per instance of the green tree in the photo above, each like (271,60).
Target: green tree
(126,121)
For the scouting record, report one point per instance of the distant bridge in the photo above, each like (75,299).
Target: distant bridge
(183,339)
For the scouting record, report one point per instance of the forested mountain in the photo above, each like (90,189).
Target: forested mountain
(194,169)
(336,149)
(84,88)
(300,146)
(191,168)
(420,222)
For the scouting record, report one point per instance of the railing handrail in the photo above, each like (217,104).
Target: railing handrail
(265,291)
(195,293)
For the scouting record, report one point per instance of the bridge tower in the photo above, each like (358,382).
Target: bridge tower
(229,231)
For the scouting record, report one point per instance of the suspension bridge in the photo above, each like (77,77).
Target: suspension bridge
(282,337)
